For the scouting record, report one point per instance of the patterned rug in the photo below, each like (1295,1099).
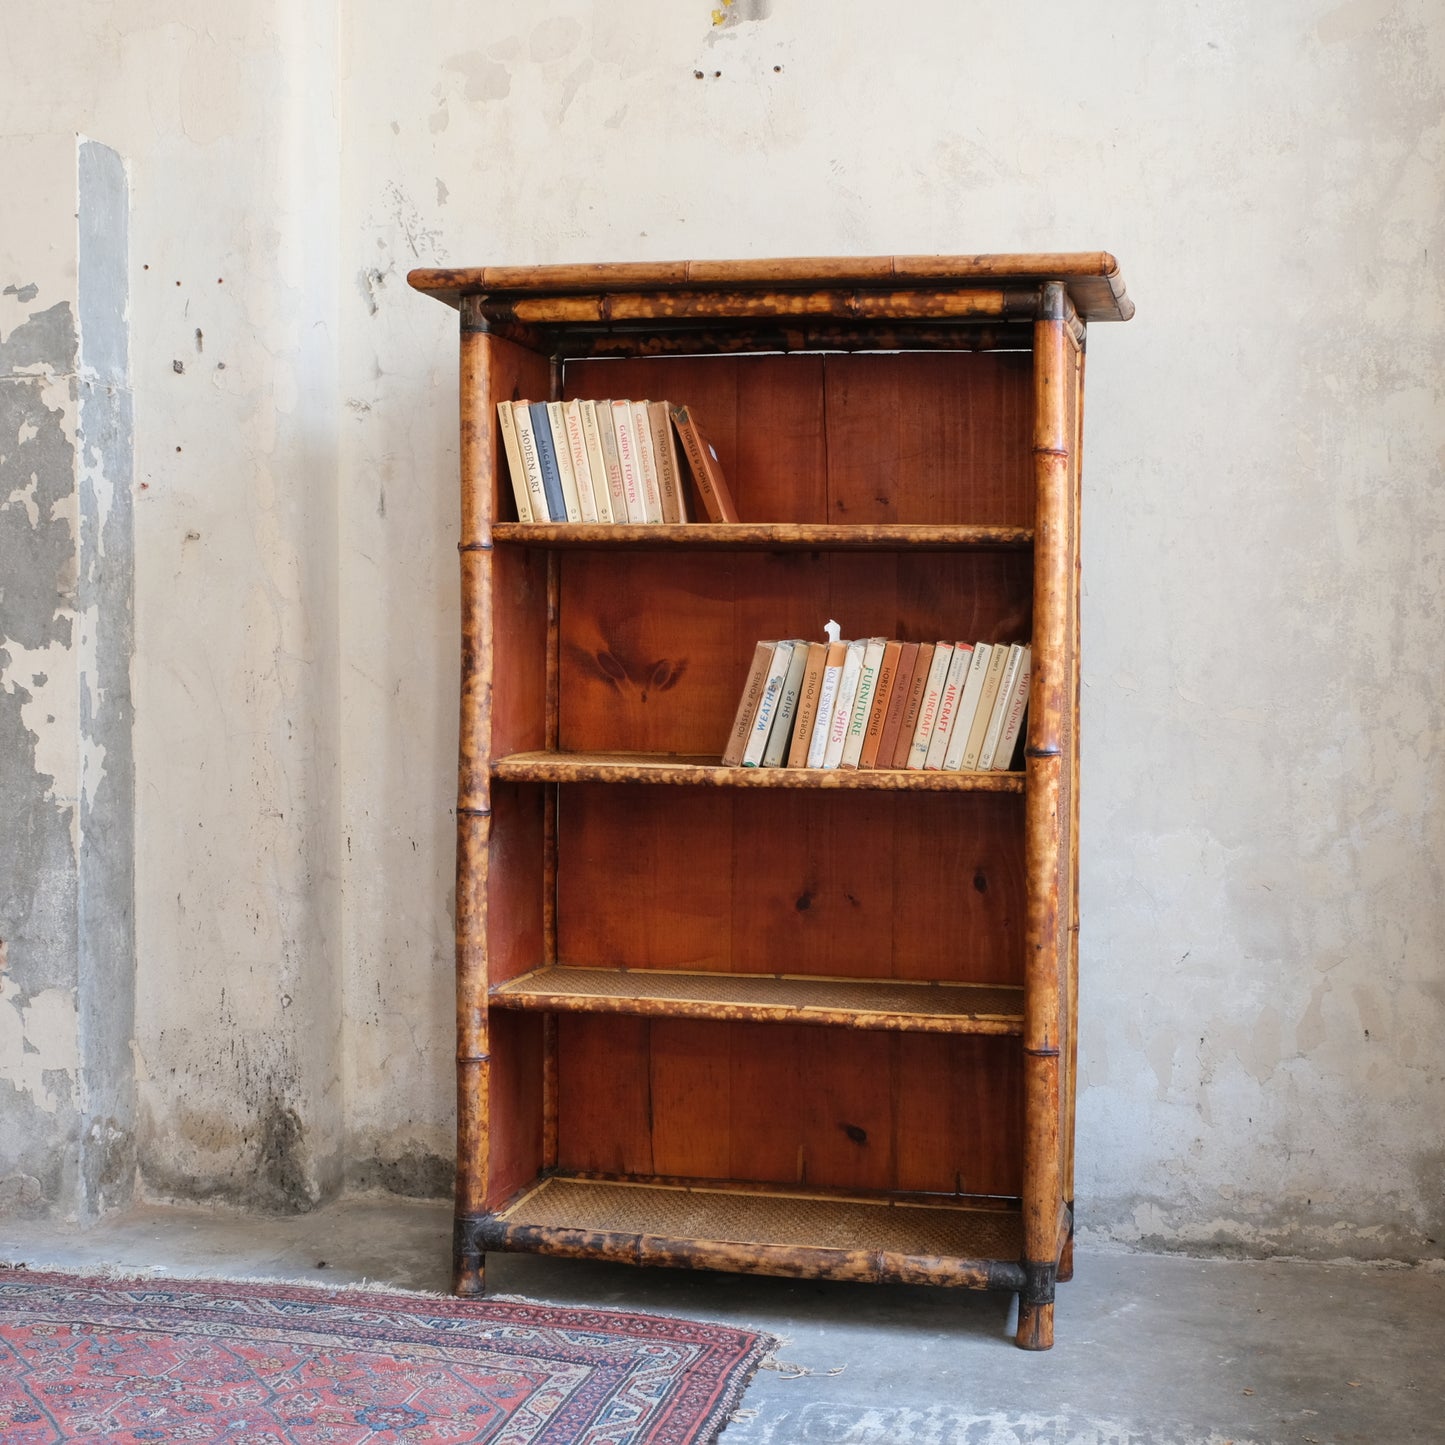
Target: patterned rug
(133,1361)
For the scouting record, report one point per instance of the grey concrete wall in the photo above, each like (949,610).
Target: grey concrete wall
(67,880)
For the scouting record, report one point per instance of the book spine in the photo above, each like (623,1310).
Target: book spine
(863,702)
(531,461)
(948,704)
(928,712)
(808,704)
(748,704)
(664,456)
(1000,708)
(706,470)
(646,462)
(767,713)
(967,707)
(897,704)
(827,695)
(781,735)
(581,467)
(596,462)
(612,462)
(547,459)
(997,660)
(627,459)
(878,712)
(909,722)
(557,424)
(843,704)
(1018,709)
(508,426)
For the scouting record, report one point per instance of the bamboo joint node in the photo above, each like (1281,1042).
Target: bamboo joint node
(474,546)
(474,812)
(1045,752)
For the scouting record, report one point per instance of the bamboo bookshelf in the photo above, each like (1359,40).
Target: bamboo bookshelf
(798,1022)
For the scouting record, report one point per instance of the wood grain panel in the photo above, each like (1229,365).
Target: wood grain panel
(690,1091)
(604,1087)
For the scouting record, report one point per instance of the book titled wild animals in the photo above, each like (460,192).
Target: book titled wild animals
(611,462)
(877,702)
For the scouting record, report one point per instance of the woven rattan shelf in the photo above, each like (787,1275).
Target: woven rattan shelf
(766,1232)
(809,1022)
(707,772)
(890,1004)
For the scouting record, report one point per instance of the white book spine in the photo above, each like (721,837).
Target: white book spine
(564,460)
(1018,706)
(596,462)
(947,718)
(627,459)
(508,424)
(581,467)
(1000,708)
(967,706)
(928,712)
(768,705)
(827,695)
(862,702)
(781,735)
(843,704)
(646,462)
(531,463)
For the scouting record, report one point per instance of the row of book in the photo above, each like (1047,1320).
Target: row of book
(609,461)
(877,703)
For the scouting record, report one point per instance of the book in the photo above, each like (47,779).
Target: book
(928,710)
(531,462)
(878,711)
(664,454)
(707,473)
(967,707)
(780,738)
(581,467)
(948,704)
(547,459)
(558,427)
(807,704)
(611,461)
(1017,710)
(1000,708)
(768,700)
(646,462)
(987,696)
(507,423)
(843,703)
(748,704)
(908,723)
(827,696)
(627,459)
(596,461)
(897,704)
(863,702)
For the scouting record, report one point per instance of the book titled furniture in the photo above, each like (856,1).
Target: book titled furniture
(772,1019)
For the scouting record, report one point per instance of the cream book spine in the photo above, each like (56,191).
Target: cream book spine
(998,658)
(862,702)
(928,709)
(581,467)
(664,455)
(1018,707)
(508,425)
(596,462)
(627,460)
(843,703)
(775,754)
(967,707)
(531,462)
(1000,708)
(612,462)
(646,462)
(558,424)
(767,713)
(827,696)
(948,705)
(748,704)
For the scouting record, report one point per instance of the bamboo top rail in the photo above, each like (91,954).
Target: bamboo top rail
(1092,278)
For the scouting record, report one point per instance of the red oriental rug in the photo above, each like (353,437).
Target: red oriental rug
(135,1361)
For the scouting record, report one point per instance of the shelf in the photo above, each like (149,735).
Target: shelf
(757,1231)
(766,536)
(704,771)
(884,1004)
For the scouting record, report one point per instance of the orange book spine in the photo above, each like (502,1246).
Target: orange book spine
(916,685)
(873,738)
(897,705)
(707,475)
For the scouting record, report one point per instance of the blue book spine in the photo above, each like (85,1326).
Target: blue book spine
(547,457)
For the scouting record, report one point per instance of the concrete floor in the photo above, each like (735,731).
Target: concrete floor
(1151,1350)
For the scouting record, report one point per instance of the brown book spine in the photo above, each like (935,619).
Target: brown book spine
(807,705)
(897,705)
(664,455)
(873,738)
(707,475)
(916,686)
(748,704)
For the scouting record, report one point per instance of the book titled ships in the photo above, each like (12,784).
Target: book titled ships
(611,462)
(882,703)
